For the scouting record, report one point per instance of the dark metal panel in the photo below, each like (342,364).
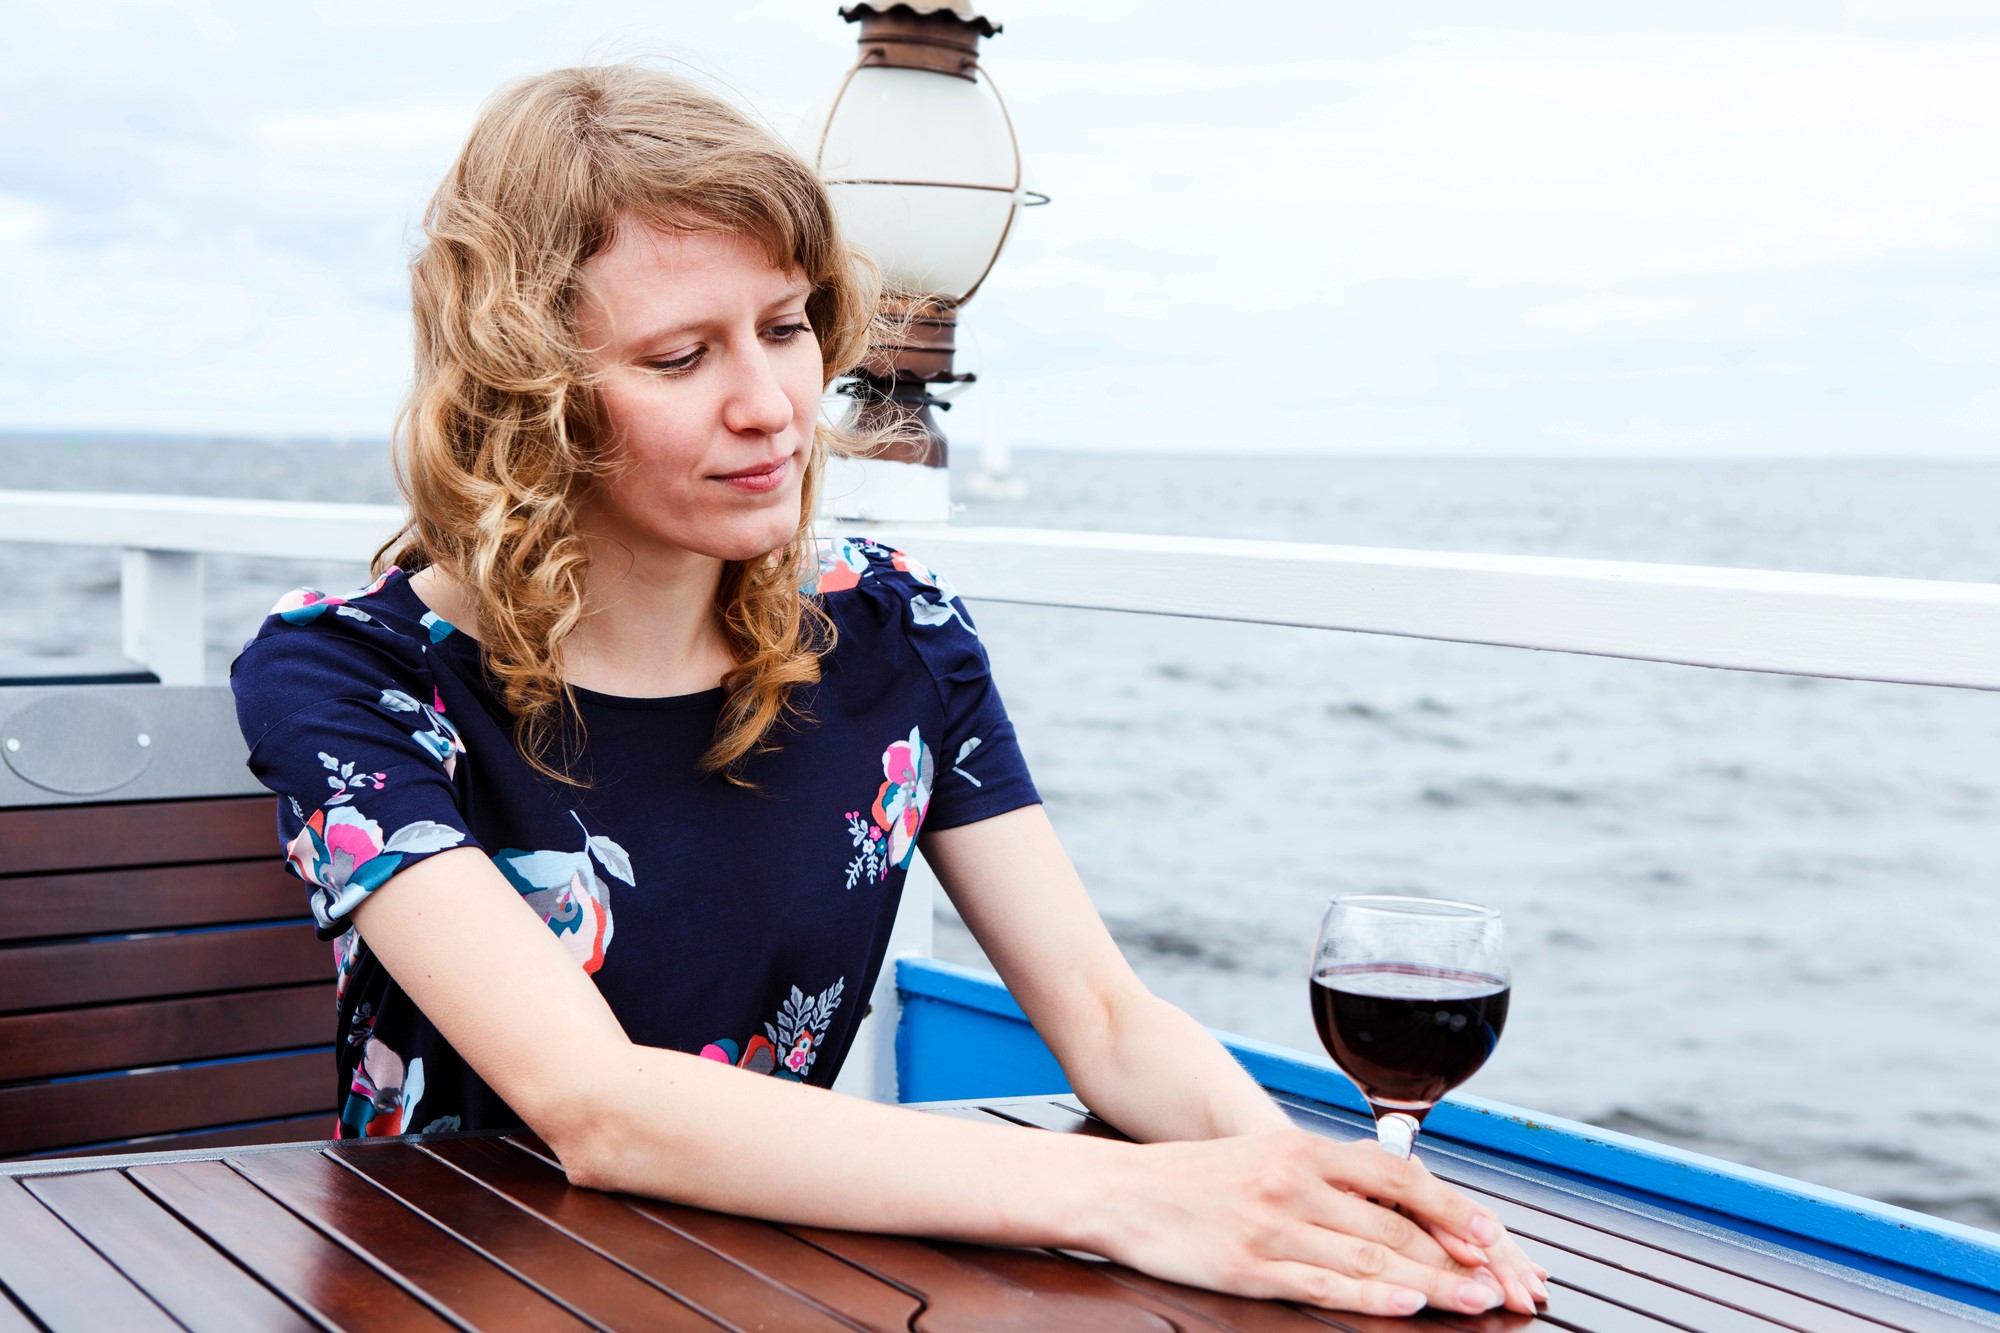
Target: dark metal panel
(194,746)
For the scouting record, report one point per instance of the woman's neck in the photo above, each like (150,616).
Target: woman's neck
(649,627)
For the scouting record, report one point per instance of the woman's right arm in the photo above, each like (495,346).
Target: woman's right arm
(1272,1215)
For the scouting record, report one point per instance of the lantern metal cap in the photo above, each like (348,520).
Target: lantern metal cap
(965,11)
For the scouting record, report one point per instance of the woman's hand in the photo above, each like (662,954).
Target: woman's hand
(1297,1217)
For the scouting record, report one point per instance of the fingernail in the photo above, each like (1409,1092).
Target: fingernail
(1406,1301)
(1478,1296)
(1484,1229)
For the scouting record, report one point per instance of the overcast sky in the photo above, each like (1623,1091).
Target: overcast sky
(1447,227)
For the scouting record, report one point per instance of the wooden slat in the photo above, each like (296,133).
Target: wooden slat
(315,1128)
(66,1284)
(1670,1285)
(137,833)
(452,1276)
(13,1319)
(1580,1273)
(775,1256)
(1580,1282)
(1191,1303)
(124,1036)
(1480,1176)
(1183,1306)
(582,1279)
(964,1298)
(107,902)
(307,1269)
(38,1116)
(192,1280)
(61,976)
(1774,1303)
(696,1275)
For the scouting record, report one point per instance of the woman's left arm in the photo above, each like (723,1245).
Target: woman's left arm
(1136,1060)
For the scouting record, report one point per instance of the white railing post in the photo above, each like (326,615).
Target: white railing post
(870,1070)
(160,599)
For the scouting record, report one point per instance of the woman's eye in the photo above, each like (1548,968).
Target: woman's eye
(675,364)
(784,333)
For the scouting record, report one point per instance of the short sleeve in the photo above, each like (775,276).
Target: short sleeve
(980,771)
(345,724)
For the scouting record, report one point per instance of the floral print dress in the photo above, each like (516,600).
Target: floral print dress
(736,924)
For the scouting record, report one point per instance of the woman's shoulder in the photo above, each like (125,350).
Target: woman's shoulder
(866,584)
(850,564)
(317,645)
(387,613)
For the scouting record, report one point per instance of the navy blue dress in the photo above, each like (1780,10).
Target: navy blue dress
(746,926)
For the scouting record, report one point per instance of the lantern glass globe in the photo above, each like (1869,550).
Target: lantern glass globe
(924,171)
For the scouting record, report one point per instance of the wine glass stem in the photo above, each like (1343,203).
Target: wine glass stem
(1396,1133)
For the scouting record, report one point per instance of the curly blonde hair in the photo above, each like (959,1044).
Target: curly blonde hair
(500,438)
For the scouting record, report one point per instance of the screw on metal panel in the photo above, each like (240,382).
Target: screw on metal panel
(144,740)
(13,742)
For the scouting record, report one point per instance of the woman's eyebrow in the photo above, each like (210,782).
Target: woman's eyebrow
(794,294)
(790,297)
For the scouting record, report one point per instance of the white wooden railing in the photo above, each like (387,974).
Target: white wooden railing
(1908,630)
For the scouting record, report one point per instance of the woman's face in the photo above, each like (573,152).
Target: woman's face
(709,385)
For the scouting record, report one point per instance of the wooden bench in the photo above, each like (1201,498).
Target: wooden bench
(160,982)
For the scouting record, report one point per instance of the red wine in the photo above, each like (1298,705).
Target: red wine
(1406,1034)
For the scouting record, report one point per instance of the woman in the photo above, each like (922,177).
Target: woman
(609,783)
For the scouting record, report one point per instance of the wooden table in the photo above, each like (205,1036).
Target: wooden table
(483,1232)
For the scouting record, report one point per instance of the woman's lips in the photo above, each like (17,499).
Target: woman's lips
(759,479)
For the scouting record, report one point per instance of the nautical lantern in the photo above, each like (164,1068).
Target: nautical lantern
(920,158)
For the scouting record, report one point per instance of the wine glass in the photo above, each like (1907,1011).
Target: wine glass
(1409,995)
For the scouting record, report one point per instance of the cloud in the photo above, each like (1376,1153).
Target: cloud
(1573,230)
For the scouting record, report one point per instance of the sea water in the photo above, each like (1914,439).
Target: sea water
(1757,916)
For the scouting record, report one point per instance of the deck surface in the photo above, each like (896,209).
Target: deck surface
(483,1232)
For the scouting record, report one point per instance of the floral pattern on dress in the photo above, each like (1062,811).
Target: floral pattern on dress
(440,737)
(886,834)
(302,606)
(568,894)
(842,564)
(964,754)
(924,610)
(790,1042)
(345,855)
(383,1095)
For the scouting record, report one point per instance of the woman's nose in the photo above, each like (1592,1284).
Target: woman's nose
(757,402)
